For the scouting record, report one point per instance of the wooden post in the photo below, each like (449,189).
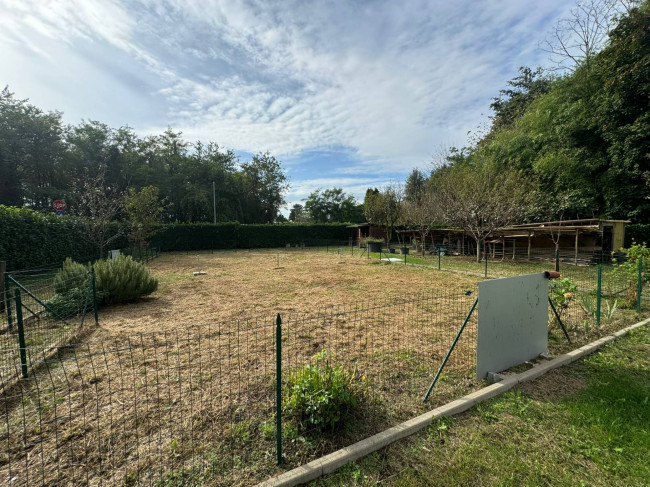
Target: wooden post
(462,245)
(529,237)
(3,269)
(503,250)
(575,255)
(514,246)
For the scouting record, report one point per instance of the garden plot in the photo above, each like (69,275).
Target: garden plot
(247,283)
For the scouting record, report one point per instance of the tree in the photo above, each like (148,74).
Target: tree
(415,186)
(99,204)
(383,208)
(144,209)
(480,197)
(298,214)
(266,186)
(333,205)
(31,155)
(575,40)
(420,214)
(512,102)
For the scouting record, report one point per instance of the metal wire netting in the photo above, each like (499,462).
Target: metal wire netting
(199,404)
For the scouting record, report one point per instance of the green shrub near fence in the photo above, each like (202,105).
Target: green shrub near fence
(118,280)
(122,279)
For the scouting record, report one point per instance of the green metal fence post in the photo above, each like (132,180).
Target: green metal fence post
(598,293)
(639,286)
(557,260)
(21,335)
(92,277)
(278,387)
(8,301)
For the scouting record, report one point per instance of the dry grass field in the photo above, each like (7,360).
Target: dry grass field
(150,397)
(241,284)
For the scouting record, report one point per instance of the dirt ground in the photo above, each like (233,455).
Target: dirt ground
(240,284)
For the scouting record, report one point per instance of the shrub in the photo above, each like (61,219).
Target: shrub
(122,279)
(624,275)
(71,285)
(562,292)
(69,304)
(72,275)
(319,394)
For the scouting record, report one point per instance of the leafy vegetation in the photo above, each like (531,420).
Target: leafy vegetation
(117,281)
(42,160)
(584,424)
(122,279)
(562,292)
(320,394)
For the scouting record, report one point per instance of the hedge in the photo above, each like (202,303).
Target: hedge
(638,232)
(31,239)
(205,236)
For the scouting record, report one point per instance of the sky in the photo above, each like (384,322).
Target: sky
(347,94)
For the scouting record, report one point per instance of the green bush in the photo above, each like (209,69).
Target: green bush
(72,287)
(623,277)
(562,292)
(122,279)
(319,394)
(72,275)
(70,303)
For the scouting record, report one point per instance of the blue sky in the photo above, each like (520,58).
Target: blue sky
(349,94)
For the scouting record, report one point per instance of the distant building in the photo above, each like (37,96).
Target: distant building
(365,230)
(579,241)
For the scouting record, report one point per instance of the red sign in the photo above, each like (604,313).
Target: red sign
(59,205)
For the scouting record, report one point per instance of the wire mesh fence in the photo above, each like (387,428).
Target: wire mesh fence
(54,308)
(198,404)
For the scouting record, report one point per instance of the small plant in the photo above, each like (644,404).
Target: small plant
(610,310)
(319,394)
(117,281)
(72,275)
(72,288)
(562,292)
(588,304)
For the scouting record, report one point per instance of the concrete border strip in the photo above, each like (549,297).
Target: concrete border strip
(333,461)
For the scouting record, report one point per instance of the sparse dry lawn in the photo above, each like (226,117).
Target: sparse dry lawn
(248,283)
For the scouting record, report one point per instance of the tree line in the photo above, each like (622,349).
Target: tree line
(563,144)
(42,160)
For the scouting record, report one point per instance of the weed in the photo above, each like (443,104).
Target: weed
(321,394)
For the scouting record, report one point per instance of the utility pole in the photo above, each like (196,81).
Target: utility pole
(214,202)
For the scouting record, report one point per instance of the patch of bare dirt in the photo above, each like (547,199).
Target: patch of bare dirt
(554,385)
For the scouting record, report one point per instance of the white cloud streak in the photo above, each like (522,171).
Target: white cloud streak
(388,80)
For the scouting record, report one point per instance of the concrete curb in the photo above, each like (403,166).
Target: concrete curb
(333,461)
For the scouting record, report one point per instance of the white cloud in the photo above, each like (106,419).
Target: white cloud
(389,80)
